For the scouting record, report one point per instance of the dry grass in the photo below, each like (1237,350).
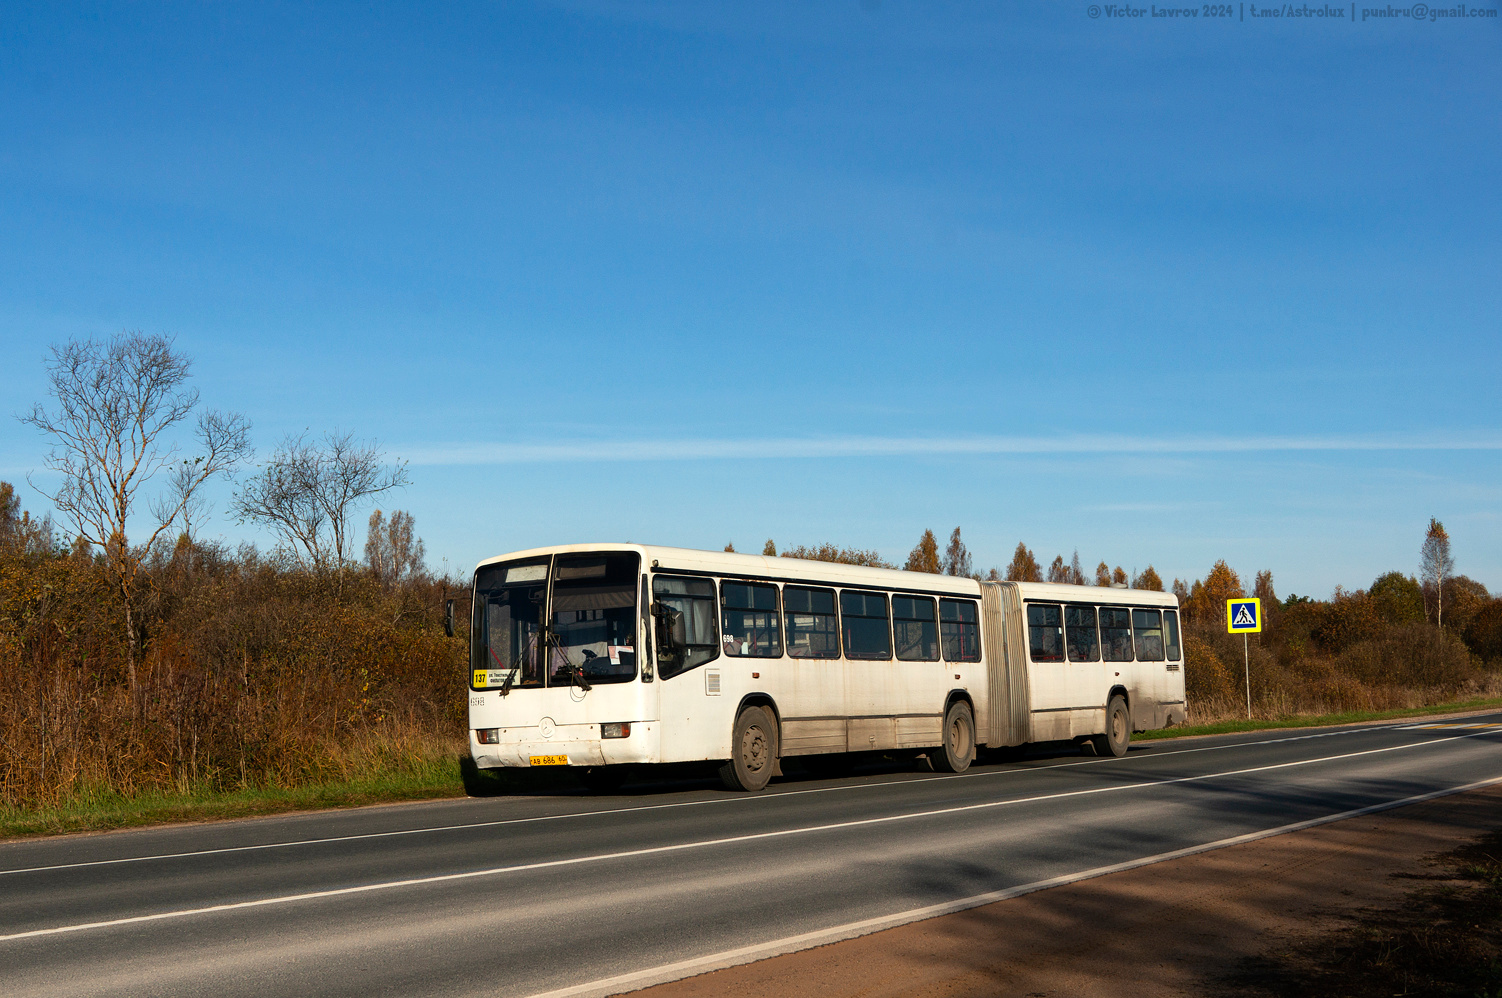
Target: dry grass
(255,676)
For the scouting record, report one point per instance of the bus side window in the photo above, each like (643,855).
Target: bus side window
(915,628)
(690,609)
(867,633)
(750,620)
(1045,632)
(812,628)
(1147,628)
(1171,620)
(1116,634)
(1080,635)
(959,630)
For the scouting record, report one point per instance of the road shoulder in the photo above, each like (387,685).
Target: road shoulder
(1166,929)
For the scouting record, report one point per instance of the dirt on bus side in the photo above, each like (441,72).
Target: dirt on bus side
(1247,919)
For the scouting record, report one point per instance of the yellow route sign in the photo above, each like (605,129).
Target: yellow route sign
(1244,615)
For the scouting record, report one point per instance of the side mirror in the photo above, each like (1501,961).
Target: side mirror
(448,617)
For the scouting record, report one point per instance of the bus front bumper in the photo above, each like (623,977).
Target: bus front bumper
(525,747)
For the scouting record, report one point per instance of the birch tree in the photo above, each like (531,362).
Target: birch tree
(1435,565)
(116,405)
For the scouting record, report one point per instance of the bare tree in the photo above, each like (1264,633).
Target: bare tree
(957,559)
(1076,572)
(307,491)
(393,550)
(115,404)
(1435,565)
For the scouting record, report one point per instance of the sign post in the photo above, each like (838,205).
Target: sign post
(1244,616)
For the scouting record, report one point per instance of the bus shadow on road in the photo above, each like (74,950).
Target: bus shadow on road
(667,778)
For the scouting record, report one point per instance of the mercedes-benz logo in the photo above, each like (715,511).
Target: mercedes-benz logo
(547,727)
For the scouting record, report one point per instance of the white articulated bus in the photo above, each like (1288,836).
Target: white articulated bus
(605,656)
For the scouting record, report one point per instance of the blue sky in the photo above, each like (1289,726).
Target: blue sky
(1159,291)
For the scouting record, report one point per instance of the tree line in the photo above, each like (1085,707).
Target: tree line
(957,560)
(137,655)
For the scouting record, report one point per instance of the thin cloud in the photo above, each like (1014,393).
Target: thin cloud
(712,449)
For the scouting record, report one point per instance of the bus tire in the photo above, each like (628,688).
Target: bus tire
(1118,732)
(753,744)
(958,750)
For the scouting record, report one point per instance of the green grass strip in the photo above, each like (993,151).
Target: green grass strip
(100,810)
(1318,720)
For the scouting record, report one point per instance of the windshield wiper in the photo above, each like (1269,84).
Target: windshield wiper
(571,673)
(510,674)
(575,675)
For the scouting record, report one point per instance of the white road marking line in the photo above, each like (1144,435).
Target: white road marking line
(1447,727)
(701,844)
(821,937)
(1141,755)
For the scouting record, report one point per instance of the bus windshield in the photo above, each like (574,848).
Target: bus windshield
(594,617)
(507,625)
(593,627)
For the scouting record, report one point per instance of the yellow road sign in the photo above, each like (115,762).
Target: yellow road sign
(1244,616)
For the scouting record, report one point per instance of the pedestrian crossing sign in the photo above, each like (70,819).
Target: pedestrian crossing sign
(1244,616)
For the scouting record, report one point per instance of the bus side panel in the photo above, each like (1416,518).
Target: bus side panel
(697,713)
(1175,703)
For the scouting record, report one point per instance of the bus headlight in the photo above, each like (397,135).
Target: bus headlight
(616,729)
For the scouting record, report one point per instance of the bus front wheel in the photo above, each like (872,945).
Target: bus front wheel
(958,750)
(753,747)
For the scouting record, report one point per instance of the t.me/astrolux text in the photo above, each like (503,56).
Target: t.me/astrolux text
(1302,11)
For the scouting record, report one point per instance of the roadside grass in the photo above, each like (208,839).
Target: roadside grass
(1318,720)
(433,775)
(1443,939)
(422,778)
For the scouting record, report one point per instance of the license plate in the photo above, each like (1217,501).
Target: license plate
(550,760)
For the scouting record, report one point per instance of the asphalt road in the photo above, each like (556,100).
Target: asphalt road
(588,895)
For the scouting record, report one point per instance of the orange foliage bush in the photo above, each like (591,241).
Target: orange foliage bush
(253,673)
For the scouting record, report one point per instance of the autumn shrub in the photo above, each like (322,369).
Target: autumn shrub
(1484,633)
(1206,678)
(1411,655)
(1348,617)
(253,672)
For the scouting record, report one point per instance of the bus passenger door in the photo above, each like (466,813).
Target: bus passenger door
(813,721)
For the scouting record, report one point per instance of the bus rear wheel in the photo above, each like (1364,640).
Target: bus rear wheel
(958,750)
(753,747)
(1118,729)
